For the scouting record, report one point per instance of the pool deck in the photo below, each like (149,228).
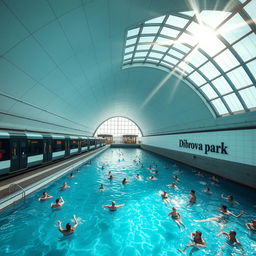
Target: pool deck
(35,178)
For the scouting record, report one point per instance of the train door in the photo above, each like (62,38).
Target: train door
(18,146)
(47,149)
(67,146)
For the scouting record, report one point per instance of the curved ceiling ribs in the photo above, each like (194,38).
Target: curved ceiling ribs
(215,51)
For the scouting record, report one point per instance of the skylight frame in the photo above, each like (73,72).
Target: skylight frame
(168,60)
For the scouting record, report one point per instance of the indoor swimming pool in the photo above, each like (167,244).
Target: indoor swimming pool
(140,227)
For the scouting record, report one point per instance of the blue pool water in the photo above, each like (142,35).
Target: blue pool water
(138,228)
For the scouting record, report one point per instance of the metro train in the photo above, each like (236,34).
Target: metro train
(20,151)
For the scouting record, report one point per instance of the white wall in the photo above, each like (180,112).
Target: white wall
(241,144)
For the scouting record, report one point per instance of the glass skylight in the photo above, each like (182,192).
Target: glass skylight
(118,126)
(215,51)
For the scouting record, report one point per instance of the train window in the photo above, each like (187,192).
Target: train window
(58,145)
(35,147)
(84,143)
(4,149)
(73,144)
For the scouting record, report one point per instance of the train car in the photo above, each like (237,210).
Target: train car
(60,146)
(91,142)
(74,145)
(35,149)
(5,153)
(84,144)
(20,151)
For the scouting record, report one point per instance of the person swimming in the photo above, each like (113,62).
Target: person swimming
(69,229)
(196,241)
(59,203)
(199,174)
(64,186)
(192,199)
(138,176)
(251,226)
(172,185)
(111,177)
(113,206)
(71,175)
(152,178)
(125,181)
(230,199)
(44,197)
(223,217)
(176,178)
(207,191)
(165,197)
(176,217)
(154,172)
(101,188)
(231,240)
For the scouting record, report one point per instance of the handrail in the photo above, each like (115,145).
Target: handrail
(20,187)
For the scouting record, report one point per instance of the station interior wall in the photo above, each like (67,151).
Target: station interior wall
(235,159)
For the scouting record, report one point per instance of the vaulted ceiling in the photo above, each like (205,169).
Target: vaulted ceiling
(61,69)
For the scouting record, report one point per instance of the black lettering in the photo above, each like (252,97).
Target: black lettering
(207,148)
(223,149)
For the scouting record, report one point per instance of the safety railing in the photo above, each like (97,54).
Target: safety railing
(13,188)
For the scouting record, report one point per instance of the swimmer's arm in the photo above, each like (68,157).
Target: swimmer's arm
(222,233)
(106,206)
(120,205)
(248,225)
(191,236)
(236,216)
(59,226)
(62,200)
(222,196)
(76,222)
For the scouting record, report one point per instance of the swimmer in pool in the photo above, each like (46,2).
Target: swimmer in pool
(196,241)
(199,174)
(71,175)
(165,197)
(125,181)
(138,177)
(176,217)
(101,188)
(154,172)
(251,226)
(231,240)
(192,199)
(65,185)
(69,229)
(109,173)
(59,203)
(215,181)
(102,167)
(223,217)
(152,178)
(176,178)
(113,206)
(111,177)
(230,199)
(44,197)
(172,185)
(207,191)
